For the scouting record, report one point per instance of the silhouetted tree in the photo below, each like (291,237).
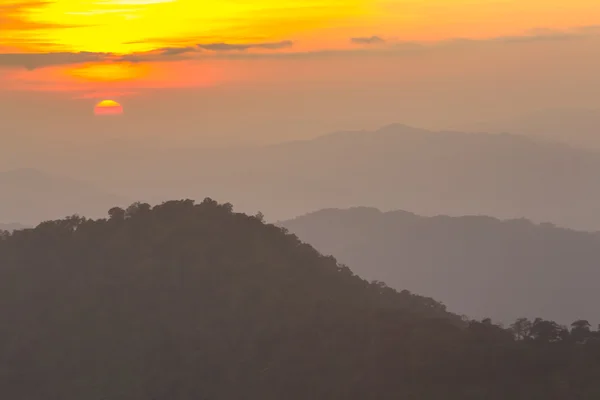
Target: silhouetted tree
(137,208)
(116,213)
(581,330)
(547,331)
(521,329)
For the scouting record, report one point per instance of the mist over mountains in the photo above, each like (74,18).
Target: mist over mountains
(11,227)
(579,127)
(479,266)
(28,196)
(396,167)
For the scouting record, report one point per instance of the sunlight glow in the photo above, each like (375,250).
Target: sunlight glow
(109,72)
(108,107)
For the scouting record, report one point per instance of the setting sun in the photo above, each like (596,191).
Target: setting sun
(108,107)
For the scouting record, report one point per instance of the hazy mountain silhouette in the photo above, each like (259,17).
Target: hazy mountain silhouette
(185,301)
(397,167)
(576,126)
(28,196)
(479,266)
(11,227)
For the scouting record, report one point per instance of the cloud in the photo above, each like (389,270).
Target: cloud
(368,40)
(541,35)
(175,51)
(590,29)
(238,51)
(33,61)
(191,52)
(246,46)
(13,16)
(535,35)
(162,54)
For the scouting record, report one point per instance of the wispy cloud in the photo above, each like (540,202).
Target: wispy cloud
(40,60)
(33,61)
(14,17)
(534,35)
(368,40)
(270,49)
(189,52)
(540,35)
(246,46)
(159,55)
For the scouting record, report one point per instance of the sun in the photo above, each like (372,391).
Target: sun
(108,107)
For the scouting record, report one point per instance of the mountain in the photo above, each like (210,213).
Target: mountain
(576,126)
(397,167)
(193,301)
(30,196)
(11,227)
(479,266)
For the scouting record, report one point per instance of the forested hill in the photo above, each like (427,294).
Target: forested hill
(184,301)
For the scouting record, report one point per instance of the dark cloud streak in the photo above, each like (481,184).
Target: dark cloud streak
(368,40)
(238,51)
(34,61)
(246,46)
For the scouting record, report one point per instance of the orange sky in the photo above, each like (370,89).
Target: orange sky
(195,43)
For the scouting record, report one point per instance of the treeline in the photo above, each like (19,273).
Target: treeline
(186,301)
(544,331)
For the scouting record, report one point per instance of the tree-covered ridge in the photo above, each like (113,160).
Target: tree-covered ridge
(193,301)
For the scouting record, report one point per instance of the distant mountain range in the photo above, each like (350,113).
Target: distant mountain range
(577,126)
(396,167)
(29,196)
(479,266)
(11,227)
(399,167)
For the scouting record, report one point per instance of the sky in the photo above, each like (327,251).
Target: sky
(199,73)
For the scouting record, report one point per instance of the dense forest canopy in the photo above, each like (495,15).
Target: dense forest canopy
(194,301)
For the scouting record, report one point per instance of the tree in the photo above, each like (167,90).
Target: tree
(521,329)
(581,330)
(137,208)
(260,216)
(116,214)
(544,331)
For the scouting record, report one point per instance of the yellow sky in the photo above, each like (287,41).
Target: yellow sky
(58,28)
(125,26)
